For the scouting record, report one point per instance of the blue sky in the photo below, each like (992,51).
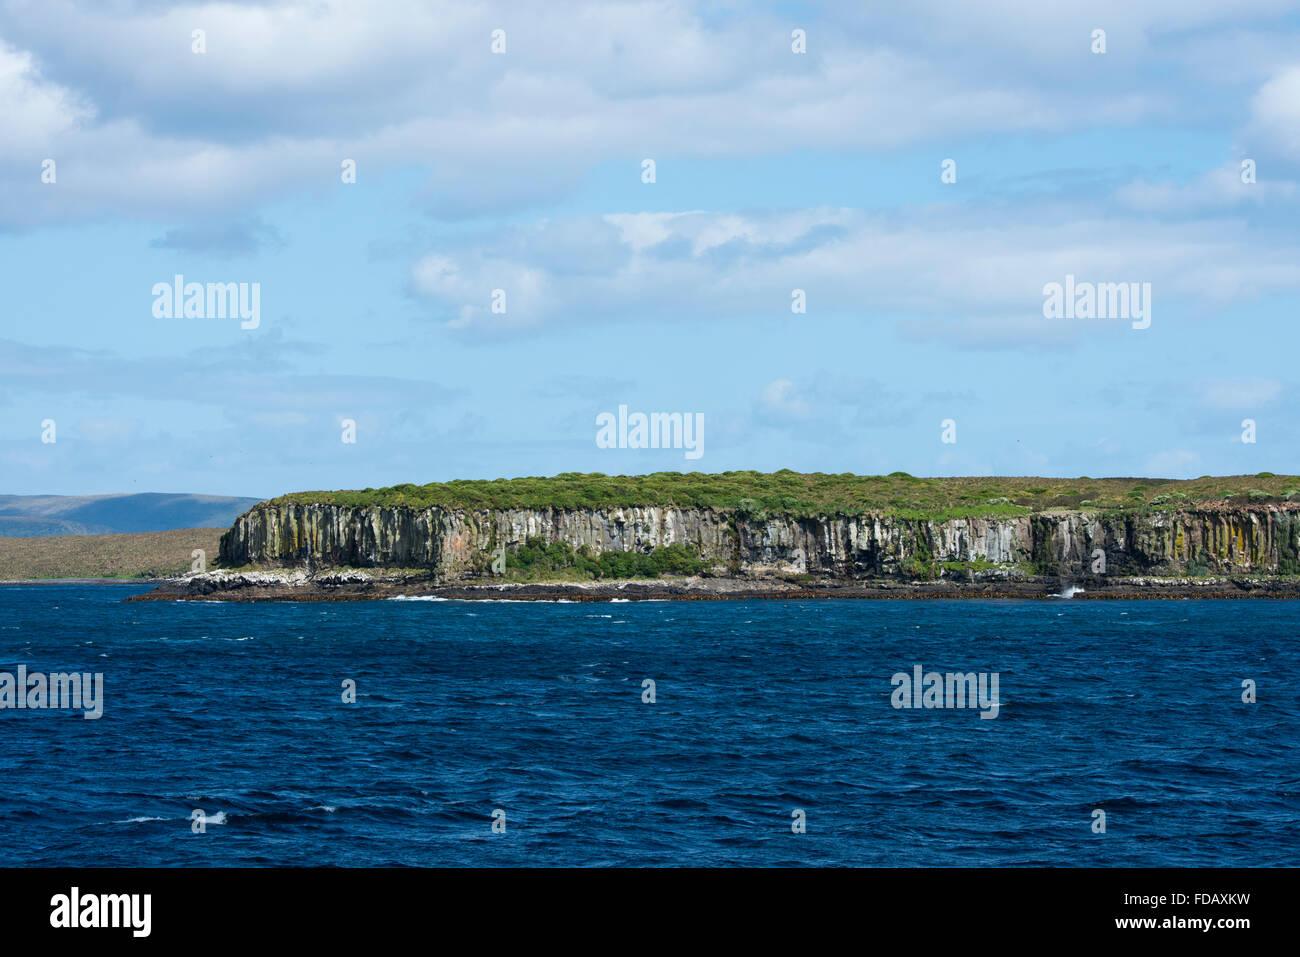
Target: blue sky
(522,171)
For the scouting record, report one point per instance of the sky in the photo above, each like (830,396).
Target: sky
(921,173)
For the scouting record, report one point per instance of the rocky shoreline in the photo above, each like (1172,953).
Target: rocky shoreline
(363,585)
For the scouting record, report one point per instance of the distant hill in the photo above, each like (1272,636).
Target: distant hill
(141,555)
(30,516)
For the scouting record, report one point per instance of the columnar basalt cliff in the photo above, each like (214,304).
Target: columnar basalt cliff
(458,544)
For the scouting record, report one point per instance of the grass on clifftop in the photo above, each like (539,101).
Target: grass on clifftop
(759,494)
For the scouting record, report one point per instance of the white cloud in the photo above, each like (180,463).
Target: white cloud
(474,288)
(1243,395)
(1276,110)
(946,268)
(781,399)
(1219,188)
(33,111)
(286,90)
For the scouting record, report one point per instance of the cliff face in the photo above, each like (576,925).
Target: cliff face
(457,544)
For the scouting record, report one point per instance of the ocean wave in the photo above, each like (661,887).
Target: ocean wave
(218,818)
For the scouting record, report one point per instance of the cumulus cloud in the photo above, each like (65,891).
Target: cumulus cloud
(1275,109)
(34,112)
(287,90)
(948,269)
(781,399)
(1220,188)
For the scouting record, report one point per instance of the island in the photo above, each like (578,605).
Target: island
(590,536)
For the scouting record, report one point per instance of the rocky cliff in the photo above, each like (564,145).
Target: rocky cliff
(456,544)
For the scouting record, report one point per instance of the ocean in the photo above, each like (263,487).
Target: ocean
(489,734)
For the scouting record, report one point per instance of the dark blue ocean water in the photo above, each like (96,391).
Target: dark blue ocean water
(1133,707)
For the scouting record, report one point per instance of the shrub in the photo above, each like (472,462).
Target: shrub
(919,568)
(536,558)
(783,493)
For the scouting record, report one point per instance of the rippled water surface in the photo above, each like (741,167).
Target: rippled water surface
(1132,707)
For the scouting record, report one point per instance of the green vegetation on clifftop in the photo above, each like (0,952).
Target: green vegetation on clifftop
(759,494)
